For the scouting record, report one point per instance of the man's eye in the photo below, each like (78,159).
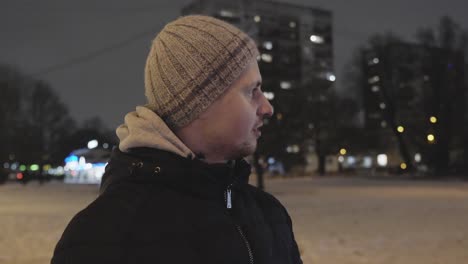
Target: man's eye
(254,91)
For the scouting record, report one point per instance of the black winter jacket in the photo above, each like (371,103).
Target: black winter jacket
(158,207)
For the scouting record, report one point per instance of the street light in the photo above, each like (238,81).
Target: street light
(431,138)
(93,144)
(403,166)
(433,119)
(400,129)
(343,151)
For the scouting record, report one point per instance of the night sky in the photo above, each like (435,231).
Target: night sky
(93,52)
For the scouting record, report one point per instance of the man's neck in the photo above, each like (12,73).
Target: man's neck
(204,158)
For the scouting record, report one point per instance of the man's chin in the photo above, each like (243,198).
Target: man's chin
(245,150)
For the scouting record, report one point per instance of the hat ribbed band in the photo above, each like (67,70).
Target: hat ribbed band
(191,63)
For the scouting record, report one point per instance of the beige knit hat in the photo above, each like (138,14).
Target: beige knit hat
(192,61)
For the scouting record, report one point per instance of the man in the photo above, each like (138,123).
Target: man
(176,189)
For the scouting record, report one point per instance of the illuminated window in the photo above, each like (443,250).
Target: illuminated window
(375,88)
(417,157)
(331,77)
(268,45)
(226,13)
(374,79)
(316,39)
(293,149)
(367,162)
(267,57)
(382,160)
(373,61)
(351,160)
(269,95)
(285,85)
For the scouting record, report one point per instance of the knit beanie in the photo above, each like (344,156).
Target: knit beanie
(193,61)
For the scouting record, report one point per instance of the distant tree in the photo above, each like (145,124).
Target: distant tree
(439,52)
(33,119)
(312,119)
(11,84)
(355,79)
(450,88)
(327,120)
(381,45)
(46,122)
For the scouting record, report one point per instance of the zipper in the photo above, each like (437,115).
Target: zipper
(249,249)
(228,202)
(228,197)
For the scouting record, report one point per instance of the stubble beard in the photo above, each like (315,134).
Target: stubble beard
(243,150)
(234,151)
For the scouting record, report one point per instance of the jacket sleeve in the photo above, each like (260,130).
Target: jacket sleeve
(294,250)
(296,255)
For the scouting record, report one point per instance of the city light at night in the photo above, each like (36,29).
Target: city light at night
(355,137)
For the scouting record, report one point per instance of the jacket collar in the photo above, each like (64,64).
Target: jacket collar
(153,166)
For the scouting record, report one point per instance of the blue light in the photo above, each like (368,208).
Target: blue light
(71,158)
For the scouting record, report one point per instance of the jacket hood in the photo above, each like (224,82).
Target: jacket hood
(144,128)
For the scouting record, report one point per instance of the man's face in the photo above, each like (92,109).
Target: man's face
(231,125)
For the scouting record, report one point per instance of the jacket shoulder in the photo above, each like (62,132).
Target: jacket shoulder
(269,204)
(264,196)
(278,216)
(97,233)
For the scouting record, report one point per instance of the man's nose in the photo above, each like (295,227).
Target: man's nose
(265,109)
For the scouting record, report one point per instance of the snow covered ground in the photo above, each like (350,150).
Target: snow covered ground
(336,220)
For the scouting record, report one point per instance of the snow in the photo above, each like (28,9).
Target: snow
(336,219)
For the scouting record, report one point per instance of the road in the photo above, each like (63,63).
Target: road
(336,220)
